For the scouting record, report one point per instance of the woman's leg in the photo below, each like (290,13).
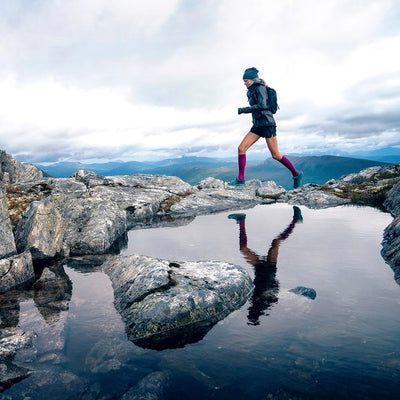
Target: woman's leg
(246,143)
(272,144)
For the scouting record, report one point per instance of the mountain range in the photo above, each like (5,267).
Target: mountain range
(316,169)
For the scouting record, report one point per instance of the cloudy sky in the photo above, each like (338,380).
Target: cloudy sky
(104,80)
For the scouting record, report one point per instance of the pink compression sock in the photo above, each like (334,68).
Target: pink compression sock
(285,161)
(242,165)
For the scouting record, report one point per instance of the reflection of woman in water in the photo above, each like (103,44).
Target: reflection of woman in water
(266,286)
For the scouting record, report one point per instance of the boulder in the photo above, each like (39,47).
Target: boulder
(16,271)
(314,197)
(12,340)
(369,186)
(304,291)
(90,214)
(215,196)
(392,202)
(391,235)
(7,243)
(10,374)
(41,230)
(391,247)
(52,293)
(166,305)
(151,387)
(94,225)
(12,171)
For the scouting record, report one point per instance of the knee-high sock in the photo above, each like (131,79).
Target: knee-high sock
(285,161)
(242,165)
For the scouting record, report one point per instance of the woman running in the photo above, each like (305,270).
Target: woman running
(263,126)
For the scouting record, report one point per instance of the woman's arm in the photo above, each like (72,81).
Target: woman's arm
(262,98)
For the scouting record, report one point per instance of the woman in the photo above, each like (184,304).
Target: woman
(263,126)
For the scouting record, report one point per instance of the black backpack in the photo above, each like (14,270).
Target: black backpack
(272,100)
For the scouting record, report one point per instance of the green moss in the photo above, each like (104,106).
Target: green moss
(274,197)
(167,204)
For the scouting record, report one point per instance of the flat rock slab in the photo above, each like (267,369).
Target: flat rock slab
(167,305)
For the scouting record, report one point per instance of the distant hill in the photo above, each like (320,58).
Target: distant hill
(316,169)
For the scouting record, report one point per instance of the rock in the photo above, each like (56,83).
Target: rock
(55,186)
(168,305)
(269,189)
(313,197)
(89,178)
(368,187)
(211,183)
(90,213)
(52,293)
(391,247)
(10,374)
(107,355)
(12,171)
(94,225)
(41,230)
(151,387)
(392,201)
(7,243)
(391,235)
(93,214)
(16,271)
(51,383)
(170,184)
(304,291)
(12,340)
(212,197)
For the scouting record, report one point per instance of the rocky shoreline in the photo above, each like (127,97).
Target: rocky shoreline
(87,217)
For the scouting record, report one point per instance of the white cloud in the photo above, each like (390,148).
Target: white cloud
(165,76)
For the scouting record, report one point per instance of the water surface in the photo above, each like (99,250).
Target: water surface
(342,343)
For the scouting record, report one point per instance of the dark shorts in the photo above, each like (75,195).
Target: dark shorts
(264,131)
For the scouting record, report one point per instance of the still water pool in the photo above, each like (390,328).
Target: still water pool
(341,341)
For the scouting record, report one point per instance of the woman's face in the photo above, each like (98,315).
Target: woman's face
(248,82)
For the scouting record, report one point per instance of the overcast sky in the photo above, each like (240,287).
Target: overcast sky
(104,80)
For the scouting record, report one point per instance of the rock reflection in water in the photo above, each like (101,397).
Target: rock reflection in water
(52,292)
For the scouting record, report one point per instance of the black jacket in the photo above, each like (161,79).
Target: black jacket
(258,96)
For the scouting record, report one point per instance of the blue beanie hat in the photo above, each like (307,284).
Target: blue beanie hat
(250,73)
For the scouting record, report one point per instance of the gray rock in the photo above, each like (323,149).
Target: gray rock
(369,186)
(16,271)
(170,184)
(151,387)
(12,340)
(392,202)
(52,293)
(89,178)
(90,214)
(51,383)
(41,230)
(211,183)
(7,243)
(94,224)
(12,171)
(313,197)
(168,304)
(11,373)
(212,197)
(391,236)
(304,291)
(391,247)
